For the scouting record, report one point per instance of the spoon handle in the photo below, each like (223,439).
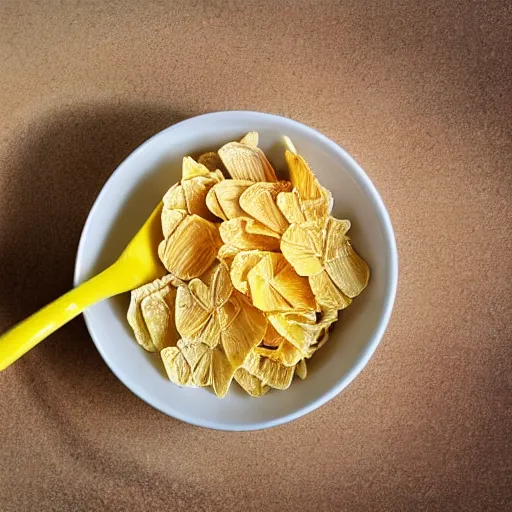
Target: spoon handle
(28,333)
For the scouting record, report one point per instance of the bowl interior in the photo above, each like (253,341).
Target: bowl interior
(129,197)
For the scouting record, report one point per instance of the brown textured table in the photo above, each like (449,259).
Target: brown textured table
(421,94)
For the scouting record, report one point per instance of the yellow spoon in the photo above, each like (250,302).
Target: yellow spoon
(138,264)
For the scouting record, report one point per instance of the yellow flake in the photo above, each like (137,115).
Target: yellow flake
(245,162)
(303,246)
(275,286)
(190,194)
(285,353)
(348,270)
(326,292)
(250,383)
(190,249)
(301,369)
(223,198)
(242,263)
(195,364)
(192,169)
(269,372)
(246,234)
(220,318)
(259,201)
(151,314)
(312,249)
(302,329)
(171,219)
(251,139)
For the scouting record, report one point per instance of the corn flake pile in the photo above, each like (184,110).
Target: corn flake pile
(258,270)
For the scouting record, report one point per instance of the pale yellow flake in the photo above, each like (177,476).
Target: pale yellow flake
(242,263)
(302,330)
(151,314)
(303,246)
(277,347)
(246,234)
(301,369)
(220,318)
(250,383)
(312,249)
(245,162)
(195,364)
(190,249)
(227,254)
(190,194)
(223,198)
(327,293)
(259,201)
(348,270)
(275,286)
(251,139)
(171,219)
(191,169)
(269,372)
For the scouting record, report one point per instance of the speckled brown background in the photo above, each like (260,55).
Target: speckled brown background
(421,94)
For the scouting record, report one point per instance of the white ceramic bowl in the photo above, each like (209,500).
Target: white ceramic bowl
(130,195)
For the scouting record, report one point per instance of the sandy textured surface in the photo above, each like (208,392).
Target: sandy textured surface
(421,95)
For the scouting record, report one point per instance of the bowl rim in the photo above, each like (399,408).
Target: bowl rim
(391,282)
